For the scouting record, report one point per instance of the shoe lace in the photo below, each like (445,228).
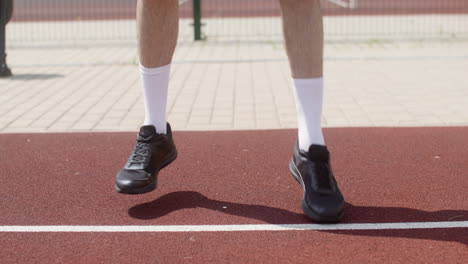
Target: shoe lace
(323,172)
(141,153)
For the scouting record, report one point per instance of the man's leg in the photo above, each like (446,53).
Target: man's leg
(158,22)
(303,34)
(158,25)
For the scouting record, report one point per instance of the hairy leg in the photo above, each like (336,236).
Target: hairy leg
(303,35)
(158,26)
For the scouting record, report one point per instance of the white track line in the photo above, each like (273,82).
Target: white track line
(231,228)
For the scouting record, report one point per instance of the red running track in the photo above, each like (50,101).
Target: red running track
(235,177)
(53,10)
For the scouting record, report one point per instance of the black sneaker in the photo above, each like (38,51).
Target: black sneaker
(5,71)
(151,153)
(322,200)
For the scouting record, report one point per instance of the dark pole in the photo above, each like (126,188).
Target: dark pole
(6,10)
(197,19)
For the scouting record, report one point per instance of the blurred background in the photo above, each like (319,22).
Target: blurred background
(43,21)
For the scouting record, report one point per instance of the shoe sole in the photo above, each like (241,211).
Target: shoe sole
(154,185)
(307,210)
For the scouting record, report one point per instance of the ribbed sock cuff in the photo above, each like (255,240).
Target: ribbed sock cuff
(155,71)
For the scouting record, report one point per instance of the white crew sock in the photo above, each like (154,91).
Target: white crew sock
(309,100)
(155,86)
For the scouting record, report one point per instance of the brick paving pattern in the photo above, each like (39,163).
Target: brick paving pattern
(235,85)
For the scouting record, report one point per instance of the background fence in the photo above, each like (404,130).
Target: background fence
(37,21)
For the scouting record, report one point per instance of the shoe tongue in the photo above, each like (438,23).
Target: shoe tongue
(318,152)
(146,132)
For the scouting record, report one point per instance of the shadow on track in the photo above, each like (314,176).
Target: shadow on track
(182,200)
(354,214)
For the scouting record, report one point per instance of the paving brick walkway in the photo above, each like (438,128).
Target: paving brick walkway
(235,85)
